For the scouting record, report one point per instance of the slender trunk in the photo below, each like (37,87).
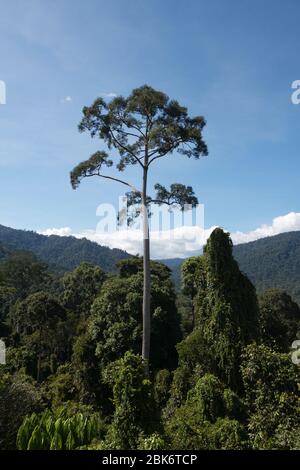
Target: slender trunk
(193,314)
(147,279)
(38,375)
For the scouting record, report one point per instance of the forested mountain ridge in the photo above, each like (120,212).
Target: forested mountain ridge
(2,251)
(63,253)
(272,262)
(268,262)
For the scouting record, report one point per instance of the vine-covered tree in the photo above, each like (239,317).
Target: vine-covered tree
(208,419)
(192,280)
(226,313)
(143,128)
(135,409)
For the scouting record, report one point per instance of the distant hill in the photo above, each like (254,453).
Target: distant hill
(2,251)
(61,253)
(175,265)
(272,262)
(268,262)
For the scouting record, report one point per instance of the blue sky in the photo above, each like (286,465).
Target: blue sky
(232,61)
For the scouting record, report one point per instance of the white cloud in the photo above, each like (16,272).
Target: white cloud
(284,223)
(109,95)
(180,242)
(177,243)
(67,99)
(62,232)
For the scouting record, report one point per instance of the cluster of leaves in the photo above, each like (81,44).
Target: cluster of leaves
(58,431)
(124,123)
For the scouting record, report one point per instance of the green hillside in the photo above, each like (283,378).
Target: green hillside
(272,262)
(63,253)
(269,262)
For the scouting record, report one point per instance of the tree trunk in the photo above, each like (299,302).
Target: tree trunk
(193,314)
(147,279)
(38,374)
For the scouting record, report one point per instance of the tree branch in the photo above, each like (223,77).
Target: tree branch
(129,133)
(131,126)
(174,146)
(158,201)
(125,148)
(111,178)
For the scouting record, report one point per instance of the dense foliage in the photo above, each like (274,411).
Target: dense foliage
(221,371)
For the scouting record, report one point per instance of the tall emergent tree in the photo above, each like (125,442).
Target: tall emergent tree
(143,128)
